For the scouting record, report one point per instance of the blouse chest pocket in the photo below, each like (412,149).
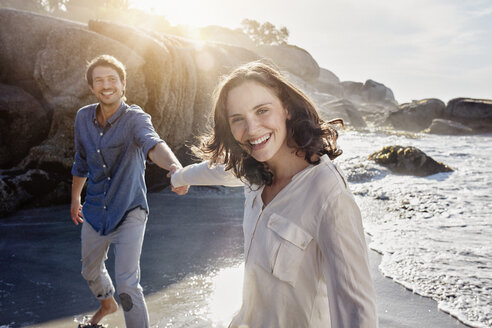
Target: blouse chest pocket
(293,241)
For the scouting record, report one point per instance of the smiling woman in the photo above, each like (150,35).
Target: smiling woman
(303,232)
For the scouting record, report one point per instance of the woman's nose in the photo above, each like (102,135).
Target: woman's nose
(252,126)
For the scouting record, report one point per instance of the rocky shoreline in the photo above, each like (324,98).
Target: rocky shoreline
(42,85)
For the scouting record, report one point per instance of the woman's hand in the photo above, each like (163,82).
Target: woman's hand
(178,190)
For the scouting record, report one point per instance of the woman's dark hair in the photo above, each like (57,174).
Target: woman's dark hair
(306,131)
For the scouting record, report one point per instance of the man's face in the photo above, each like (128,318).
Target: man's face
(107,85)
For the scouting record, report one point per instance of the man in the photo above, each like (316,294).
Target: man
(112,142)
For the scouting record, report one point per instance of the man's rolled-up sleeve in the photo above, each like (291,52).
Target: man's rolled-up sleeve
(144,132)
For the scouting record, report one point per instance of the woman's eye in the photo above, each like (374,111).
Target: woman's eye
(262,111)
(236,119)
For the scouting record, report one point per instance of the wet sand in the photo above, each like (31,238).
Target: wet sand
(187,238)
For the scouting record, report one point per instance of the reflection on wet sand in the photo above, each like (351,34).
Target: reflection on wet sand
(203,300)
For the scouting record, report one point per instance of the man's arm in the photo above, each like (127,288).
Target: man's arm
(76,207)
(164,157)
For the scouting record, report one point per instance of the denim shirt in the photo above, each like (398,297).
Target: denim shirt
(113,160)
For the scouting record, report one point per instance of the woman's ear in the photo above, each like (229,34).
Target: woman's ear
(287,113)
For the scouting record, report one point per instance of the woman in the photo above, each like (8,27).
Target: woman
(306,261)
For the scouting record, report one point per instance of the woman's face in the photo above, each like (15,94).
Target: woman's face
(258,121)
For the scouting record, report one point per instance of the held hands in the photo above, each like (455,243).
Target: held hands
(178,190)
(76,211)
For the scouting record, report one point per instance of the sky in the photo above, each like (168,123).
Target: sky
(418,48)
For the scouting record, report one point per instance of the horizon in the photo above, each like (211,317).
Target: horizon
(440,52)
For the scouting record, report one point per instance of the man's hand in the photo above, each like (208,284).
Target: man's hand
(76,211)
(178,190)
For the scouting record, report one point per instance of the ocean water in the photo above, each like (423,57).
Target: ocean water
(435,233)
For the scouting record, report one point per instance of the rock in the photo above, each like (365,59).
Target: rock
(24,123)
(440,126)
(328,82)
(18,188)
(408,160)
(475,113)
(373,91)
(352,90)
(22,36)
(326,76)
(292,59)
(226,35)
(417,115)
(345,109)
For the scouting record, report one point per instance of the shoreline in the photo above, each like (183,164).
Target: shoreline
(399,307)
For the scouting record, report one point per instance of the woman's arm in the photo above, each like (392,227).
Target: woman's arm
(202,174)
(345,264)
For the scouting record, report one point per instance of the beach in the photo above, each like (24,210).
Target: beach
(191,268)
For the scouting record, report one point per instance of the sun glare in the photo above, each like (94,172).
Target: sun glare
(186,12)
(225,300)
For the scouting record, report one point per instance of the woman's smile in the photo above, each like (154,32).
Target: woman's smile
(260,142)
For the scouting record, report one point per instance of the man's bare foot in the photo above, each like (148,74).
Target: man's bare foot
(107,307)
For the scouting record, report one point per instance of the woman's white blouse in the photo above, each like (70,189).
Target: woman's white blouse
(306,262)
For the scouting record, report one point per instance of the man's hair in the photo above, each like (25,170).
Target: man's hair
(307,133)
(106,61)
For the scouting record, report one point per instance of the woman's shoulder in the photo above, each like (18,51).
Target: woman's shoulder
(327,177)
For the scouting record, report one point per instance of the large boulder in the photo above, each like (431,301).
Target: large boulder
(22,36)
(344,109)
(368,92)
(408,160)
(440,126)
(352,90)
(475,113)
(24,122)
(417,115)
(226,35)
(373,91)
(293,59)
(328,82)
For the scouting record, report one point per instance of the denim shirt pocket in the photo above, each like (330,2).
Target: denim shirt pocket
(293,241)
(112,155)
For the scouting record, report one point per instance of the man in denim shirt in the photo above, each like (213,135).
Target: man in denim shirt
(112,142)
